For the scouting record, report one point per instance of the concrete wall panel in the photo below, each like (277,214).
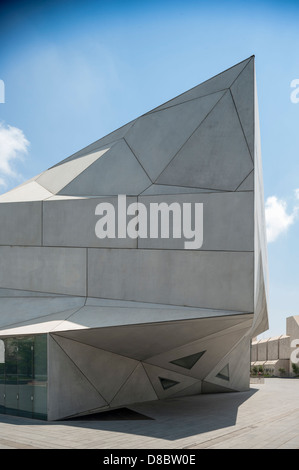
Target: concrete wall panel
(228,222)
(69,392)
(137,389)
(72,222)
(56,178)
(29,191)
(21,223)
(156,189)
(237,363)
(216,156)
(115,172)
(16,310)
(155,373)
(106,371)
(244,102)
(156,137)
(220,280)
(44,269)
(216,346)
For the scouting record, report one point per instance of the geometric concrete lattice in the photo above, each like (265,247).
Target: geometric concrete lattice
(136,319)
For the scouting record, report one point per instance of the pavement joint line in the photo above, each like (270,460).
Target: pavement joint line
(238,432)
(221,438)
(16,445)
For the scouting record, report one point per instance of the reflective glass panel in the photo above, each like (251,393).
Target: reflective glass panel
(2,375)
(11,376)
(23,376)
(40,377)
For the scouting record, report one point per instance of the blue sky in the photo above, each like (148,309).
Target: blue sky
(75,71)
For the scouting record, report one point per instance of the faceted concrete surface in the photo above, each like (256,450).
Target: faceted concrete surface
(157,137)
(222,160)
(63,227)
(188,149)
(44,269)
(54,179)
(265,417)
(99,144)
(224,279)
(226,226)
(116,172)
(15,229)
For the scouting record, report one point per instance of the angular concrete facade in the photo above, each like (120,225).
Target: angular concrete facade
(130,320)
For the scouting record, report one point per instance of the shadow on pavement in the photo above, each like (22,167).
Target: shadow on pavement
(170,419)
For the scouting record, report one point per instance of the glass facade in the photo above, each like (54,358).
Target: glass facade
(23,376)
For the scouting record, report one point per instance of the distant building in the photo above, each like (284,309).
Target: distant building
(274,354)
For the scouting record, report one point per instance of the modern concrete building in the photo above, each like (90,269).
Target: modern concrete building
(274,354)
(88,324)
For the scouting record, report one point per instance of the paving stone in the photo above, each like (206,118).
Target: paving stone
(265,417)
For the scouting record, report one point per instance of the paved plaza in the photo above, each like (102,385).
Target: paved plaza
(265,417)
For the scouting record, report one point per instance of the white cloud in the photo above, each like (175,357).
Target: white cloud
(297,193)
(277,219)
(13,145)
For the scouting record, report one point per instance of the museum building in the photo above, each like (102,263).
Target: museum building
(89,323)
